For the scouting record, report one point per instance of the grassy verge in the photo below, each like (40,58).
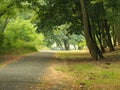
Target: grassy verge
(89,74)
(73,55)
(13,55)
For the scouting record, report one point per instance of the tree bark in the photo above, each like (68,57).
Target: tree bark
(100,42)
(5,24)
(92,46)
(99,37)
(108,36)
(117,32)
(1,43)
(114,37)
(66,44)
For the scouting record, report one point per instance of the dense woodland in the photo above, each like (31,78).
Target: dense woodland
(35,24)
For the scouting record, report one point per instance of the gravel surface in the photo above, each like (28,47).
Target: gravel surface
(24,73)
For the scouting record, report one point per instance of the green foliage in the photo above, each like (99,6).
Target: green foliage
(22,34)
(82,44)
(76,39)
(20,30)
(65,15)
(95,1)
(63,11)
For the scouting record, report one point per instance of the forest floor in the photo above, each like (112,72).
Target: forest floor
(61,70)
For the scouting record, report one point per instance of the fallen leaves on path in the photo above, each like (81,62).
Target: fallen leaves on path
(56,80)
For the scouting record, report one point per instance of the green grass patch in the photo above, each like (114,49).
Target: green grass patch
(92,74)
(13,53)
(105,73)
(72,55)
(20,50)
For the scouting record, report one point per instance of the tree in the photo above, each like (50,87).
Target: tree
(113,17)
(20,30)
(53,13)
(93,48)
(65,11)
(7,9)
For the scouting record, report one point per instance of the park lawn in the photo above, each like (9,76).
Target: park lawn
(90,74)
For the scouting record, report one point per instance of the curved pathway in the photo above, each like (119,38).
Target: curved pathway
(24,73)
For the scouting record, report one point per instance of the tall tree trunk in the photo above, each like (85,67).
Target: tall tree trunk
(117,32)
(5,24)
(114,37)
(75,47)
(92,46)
(118,41)
(99,37)
(100,42)
(108,36)
(1,46)
(116,25)
(2,49)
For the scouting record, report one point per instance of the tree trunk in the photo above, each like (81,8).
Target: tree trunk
(114,37)
(66,44)
(2,35)
(1,43)
(1,47)
(108,36)
(117,32)
(99,37)
(92,46)
(5,24)
(75,47)
(118,41)
(100,42)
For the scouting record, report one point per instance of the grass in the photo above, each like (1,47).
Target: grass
(12,55)
(73,55)
(96,75)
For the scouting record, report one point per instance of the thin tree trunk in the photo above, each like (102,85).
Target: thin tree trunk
(101,45)
(109,41)
(5,24)
(92,46)
(114,37)
(2,49)
(75,47)
(99,37)
(1,44)
(66,44)
(117,32)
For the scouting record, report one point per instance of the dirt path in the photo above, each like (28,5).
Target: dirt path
(26,73)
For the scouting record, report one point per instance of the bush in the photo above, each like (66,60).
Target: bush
(20,36)
(30,48)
